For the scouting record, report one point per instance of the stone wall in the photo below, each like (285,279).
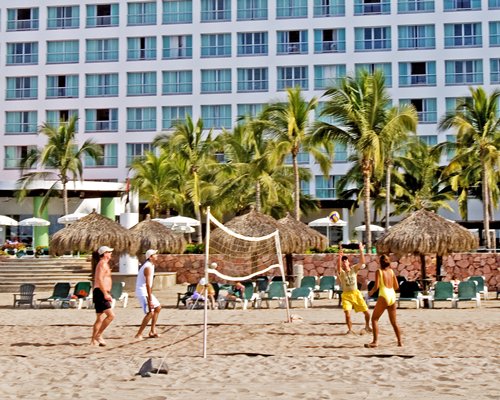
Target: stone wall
(189,267)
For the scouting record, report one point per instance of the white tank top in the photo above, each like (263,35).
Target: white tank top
(140,283)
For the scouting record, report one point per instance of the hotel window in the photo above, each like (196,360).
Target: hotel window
(302,158)
(22,19)
(494,33)
(63,17)
(326,76)
(289,77)
(141,48)
(21,122)
(252,43)
(177,11)
(454,104)
(216,45)
(109,157)
(22,88)
(291,9)
(177,82)
(216,116)
(63,52)
(137,151)
(462,35)
(304,188)
(370,7)
(426,109)
(175,47)
(101,120)
(429,140)
(99,15)
(141,83)
(459,5)
(101,85)
(494,70)
(493,4)
(215,10)
(14,156)
(340,153)
(329,8)
(56,117)
(251,10)
(450,153)
(292,42)
(415,6)
(141,13)
(329,40)
(141,119)
(368,39)
(252,80)
(371,68)
(173,115)
(62,86)
(413,37)
(319,116)
(102,50)
(325,186)
(463,72)
(216,80)
(250,110)
(421,73)
(22,53)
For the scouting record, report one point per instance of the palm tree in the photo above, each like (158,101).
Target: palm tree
(365,122)
(478,140)
(62,154)
(289,125)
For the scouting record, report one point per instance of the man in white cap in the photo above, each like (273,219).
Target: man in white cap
(144,293)
(101,296)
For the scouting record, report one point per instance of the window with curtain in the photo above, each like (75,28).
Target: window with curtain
(462,35)
(289,77)
(412,37)
(56,117)
(251,10)
(429,140)
(22,53)
(216,45)
(495,70)
(374,38)
(109,157)
(252,43)
(426,109)
(329,8)
(137,151)
(14,155)
(177,82)
(141,83)
(101,15)
(370,7)
(22,88)
(494,28)
(386,68)
(102,50)
(174,114)
(460,72)
(415,6)
(216,116)
(328,75)
(141,13)
(101,85)
(252,79)
(141,48)
(62,86)
(459,5)
(291,9)
(493,4)
(63,17)
(329,40)
(417,73)
(141,119)
(292,42)
(177,11)
(22,19)
(101,120)
(21,122)
(175,47)
(216,80)
(65,51)
(215,10)
(326,186)
(250,109)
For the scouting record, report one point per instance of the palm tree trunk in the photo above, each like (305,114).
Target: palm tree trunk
(366,201)
(196,204)
(486,207)
(388,194)
(296,189)
(257,196)
(65,197)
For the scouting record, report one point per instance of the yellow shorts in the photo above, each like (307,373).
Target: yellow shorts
(353,299)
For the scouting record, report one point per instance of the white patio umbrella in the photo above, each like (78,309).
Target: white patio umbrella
(8,221)
(177,220)
(69,218)
(373,228)
(34,221)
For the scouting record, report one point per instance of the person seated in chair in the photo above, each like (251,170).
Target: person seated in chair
(236,292)
(199,293)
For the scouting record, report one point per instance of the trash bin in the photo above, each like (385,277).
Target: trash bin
(298,274)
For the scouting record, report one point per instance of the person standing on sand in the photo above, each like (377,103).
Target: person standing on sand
(144,293)
(351,296)
(101,296)
(387,284)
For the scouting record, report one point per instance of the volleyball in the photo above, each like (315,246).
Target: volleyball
(334,216)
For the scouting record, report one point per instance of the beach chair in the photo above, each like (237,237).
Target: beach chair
(118,294)
(302,293)
(326,284)
(275,291)
(443,291)
(261,284)
(467,291)
(482,288)
(308,281)
(26,295)
(59,293)
(409,291)
(81,294)
(182,297)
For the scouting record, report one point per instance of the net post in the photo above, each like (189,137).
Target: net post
(205,292)
(282,270)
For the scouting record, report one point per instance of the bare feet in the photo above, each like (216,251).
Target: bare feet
(138,337)
(154,335)
(371,345)
(349,332)
(400,344)
(101,341)
(94,342)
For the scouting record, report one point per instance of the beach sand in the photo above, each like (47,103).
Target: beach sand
(447,354)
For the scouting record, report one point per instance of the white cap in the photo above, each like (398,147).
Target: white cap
(104,249)
(203,281)
(150,253)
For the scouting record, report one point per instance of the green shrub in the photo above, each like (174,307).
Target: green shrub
(193,248)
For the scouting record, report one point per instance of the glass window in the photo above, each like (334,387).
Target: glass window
(252,43)
(177,11)
(174,114)
(137,151)
(494,33)
(329,40)
(141,13)
(21,122)
(22,19)
(141,119)
(386,68)
(22,88)
(325,186)
(63,17)
(495,70)
(101,120)
(216,116)
(329,8)
(429,140)
(292,42)
(326,76)
(141,83)
(102,50)
(450,153)
(493,4)
(109,157)
(215,10)
(216,45)
(417,73)
(62,86)
(141,48)
(415,6)
(14,155)
(460,72)
(462,35)
(56,117)
(412,37)
(458,5)
(175,47)
(250,109)
(252,80)
(100,15)
(368,39)
(289,77)
(250,10)
(426,109)
(22,53)
(291,9)
(177,82)
(370,7)
(61,52)
(101,85)
(340,153)
(216,80)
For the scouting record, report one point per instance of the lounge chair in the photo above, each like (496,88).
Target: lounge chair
(182,297)
(60,293)
(326,284)
(81,294)
(409,291)
(482,288)
(443,291)
(302,293)
(275,291)
(118,294)
(26,295)
(467,291)
(308,281)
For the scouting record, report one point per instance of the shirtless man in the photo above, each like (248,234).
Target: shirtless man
(102,296)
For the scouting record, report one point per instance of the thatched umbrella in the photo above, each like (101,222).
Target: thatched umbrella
(154,235)
(424,232)
(310,238)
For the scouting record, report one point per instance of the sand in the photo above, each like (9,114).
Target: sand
(447,354)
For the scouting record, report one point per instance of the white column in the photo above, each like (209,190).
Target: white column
(129,264)
(345,229)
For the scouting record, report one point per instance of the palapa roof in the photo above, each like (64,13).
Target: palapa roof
(91,232)
(154,235)
(310,237)
(425,232)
